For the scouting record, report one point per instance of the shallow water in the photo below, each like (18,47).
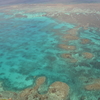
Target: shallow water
(29,48)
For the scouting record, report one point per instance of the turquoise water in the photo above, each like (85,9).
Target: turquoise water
(29,48)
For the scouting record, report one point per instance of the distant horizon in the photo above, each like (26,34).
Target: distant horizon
(10,2)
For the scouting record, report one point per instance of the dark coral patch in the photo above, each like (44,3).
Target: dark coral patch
(85,41)
(66,55)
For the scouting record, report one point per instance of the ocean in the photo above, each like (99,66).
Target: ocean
(49,51)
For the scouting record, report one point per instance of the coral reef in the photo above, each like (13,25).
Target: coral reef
(33,91)
(40,80)
(8,95)
(70,37)
(88,55)
(66,55)
(85,41)
(69,57)
(67,47)
(58,91)
(95,85)
(73,31)
(73,60)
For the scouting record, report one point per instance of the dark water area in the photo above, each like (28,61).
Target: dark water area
(8,2)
